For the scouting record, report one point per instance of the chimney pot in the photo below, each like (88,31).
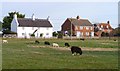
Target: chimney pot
(78,17)
(15,16)
(108,22)
(33,17)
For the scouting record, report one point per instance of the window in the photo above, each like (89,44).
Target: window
(87,28)
(81,33)
(23,34)
(91,28)
(87,33)
(29,34)
(47,33)
(101,26)
(81,28)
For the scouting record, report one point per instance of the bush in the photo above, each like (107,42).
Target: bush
(32,35)
(55,34)
(8,32)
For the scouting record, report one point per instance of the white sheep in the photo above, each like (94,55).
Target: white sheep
(55,45)
(4,41)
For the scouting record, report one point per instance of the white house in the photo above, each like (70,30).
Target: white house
(24,27)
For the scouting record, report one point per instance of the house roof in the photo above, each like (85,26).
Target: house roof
(105,25)
(26,22)
(80,22)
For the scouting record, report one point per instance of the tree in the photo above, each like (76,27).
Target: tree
(103,34)
(96,29)
(8,19)
(116,32)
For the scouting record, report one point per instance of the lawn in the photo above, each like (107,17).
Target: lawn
(19,54)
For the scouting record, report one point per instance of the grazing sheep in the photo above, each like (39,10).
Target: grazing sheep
(55,45)
(4,41)
(114,39)
(76,49)
(82,39)
(47,43)
(37,42)
(66,44)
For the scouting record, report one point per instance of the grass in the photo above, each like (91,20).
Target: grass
(17,55)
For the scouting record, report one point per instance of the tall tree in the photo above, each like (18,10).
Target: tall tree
(8,19)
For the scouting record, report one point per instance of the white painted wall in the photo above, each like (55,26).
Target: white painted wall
(29,30)
(14,24)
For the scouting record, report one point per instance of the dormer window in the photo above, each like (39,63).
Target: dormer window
(101,26)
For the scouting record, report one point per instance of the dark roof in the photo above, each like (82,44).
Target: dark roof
(80,22)
(24,22)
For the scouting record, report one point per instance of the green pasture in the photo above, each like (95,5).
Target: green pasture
(20,54)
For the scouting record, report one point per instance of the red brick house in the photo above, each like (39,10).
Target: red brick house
(103,27)
(80,27)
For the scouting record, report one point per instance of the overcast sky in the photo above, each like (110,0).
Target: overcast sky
(59,11)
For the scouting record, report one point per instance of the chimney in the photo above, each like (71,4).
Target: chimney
(48,17)
(33,17)
(108,22)
(15,16)
(78,18)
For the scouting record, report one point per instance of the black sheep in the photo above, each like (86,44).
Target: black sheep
(76,49)
(46,43)
(37,42)
(66,44)
(82,39)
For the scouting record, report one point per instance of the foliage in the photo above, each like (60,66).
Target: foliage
(32,35)
(60,34)
(8,32)
(103,34)
(8,19)
(55,34)
(96,29)
(116,32)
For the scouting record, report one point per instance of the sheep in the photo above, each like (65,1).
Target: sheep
(82,39)
(66,44)
(76,49)
(4,41)
(55,45)
(46,43)
(37,42)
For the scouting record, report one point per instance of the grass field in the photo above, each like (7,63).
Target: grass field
(20,54)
